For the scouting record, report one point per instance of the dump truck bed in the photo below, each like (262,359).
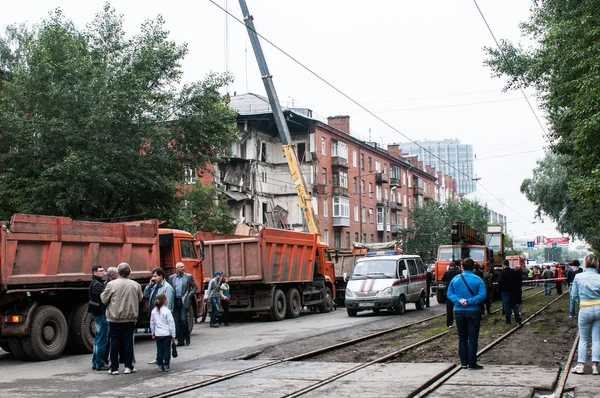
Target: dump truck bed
(275,256)
(51,252)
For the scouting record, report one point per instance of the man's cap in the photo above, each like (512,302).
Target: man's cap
(218,273)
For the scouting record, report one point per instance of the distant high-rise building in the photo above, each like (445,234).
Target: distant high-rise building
(450,156)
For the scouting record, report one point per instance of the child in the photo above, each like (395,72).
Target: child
(162,325)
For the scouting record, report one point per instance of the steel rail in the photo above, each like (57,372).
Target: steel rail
(562,382)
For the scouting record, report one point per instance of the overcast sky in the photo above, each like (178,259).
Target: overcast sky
(416,64)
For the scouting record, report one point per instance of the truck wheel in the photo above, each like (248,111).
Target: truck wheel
(82,329)
(191,318)
(326,305)
(441,297)
(351,313)
(294,303)
(4,345)
(401,308)
(16,347)
(48,335)
(420,304)
(279,306)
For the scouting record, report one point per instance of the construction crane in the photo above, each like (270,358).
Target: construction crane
(304,200)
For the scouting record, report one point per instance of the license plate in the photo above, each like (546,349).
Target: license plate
(365,304)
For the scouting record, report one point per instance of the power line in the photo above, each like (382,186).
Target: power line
(339,91)
(509,154)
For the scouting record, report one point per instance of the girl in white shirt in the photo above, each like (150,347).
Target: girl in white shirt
(162,326)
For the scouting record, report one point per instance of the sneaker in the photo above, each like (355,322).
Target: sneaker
(578,368)
(103,368)
(152,362)
(595,370)
(93,367)
(475,367)
(165,369)
(214,326)
(113,372)
(464,366)
(128,371)
(187,342)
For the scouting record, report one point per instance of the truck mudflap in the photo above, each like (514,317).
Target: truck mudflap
(17,323)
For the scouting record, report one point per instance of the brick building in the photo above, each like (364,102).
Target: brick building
(353,183)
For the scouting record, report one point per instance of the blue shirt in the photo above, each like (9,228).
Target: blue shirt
(586,285)
(458,290)
(179,286)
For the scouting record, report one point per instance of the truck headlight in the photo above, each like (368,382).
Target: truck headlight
(350,294)
(386,292)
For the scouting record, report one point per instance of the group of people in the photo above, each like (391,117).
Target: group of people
(115,303)
(217,292)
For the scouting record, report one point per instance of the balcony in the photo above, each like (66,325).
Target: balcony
(395,206)
(395,182)
(341,222)
(320,189)
(340,191)
(381,178)
(338,186)
(397,228)
(417,191)
(338,161)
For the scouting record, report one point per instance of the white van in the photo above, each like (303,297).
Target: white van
(386,281)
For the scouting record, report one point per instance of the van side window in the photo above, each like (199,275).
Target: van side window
(420,266)
(187,249)
(412,267)
(401,267)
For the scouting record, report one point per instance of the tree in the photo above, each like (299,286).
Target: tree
(94,125)
(563,69)
(205,210)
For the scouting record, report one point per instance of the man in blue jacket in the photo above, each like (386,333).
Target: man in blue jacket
(467,291)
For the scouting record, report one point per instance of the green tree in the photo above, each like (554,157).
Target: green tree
(563,68)
(205,210)
(95,124)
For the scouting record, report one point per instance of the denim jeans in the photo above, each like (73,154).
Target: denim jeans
(181,322)
(121,334)
(571,306)
(214,303)
(510,305)
(99,355)
(467,325)
(548,288)
(163,350)
(589,324)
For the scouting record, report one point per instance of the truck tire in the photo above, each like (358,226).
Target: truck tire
(279,306)
(294,303)
(420,303)
(82,330)
(326,305)
(48,336)
(4,345)
(16,347)
(401,308)
(351,313)
(441,297)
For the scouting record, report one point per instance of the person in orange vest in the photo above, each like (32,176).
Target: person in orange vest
(560,277)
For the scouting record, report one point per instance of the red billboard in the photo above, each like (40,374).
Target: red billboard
(558,241)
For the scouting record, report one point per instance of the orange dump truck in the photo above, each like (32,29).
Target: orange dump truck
(46,269)
(273,274)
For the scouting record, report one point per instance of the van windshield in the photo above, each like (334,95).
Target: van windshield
(375,269)
(476,253)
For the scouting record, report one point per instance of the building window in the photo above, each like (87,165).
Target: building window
(355,179)
(405,200)
(362,187)
(377,166)
(341,207)
(371,216)
(405,222)
(323,146)
(409,181)
(370,190)
(395,172)
(363,214)
(364,238)
(337,238)
(324,176)
(354,158)
(372,238)
(263,176)
(326,236)
(356,236)
(340,180)
(355,212)
(403,178)
(378,193)
(190,175)
(393,195)
(325,208)
(409,202)
(347,239)
(362,161)
(339,149)
(385,194)
(370,165)
(301,147)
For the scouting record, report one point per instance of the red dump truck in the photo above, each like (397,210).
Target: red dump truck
(45,273)
(273,274)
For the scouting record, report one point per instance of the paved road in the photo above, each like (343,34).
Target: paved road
(72,374)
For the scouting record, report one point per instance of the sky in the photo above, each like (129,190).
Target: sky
(417,65)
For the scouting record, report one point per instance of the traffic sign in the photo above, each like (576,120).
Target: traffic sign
(531,244)
(554,245)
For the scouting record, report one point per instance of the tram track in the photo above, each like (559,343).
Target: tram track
(323,350)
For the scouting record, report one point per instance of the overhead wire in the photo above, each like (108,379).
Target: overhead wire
(339,91)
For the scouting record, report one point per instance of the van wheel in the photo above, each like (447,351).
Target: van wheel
(326,305)
(420,304)
(279,306)
(351,313)
(48,336)
(16,347)
(294,304)
(401,308)
(83,329)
